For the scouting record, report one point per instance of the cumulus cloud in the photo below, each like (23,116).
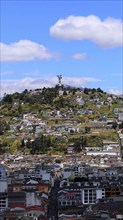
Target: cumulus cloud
(34,73)
(24,50)
(11,86)
(78,81)
(106,33)
(116,92)
(79,56)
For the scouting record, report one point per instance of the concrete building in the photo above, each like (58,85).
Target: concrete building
(91,195)
(3,189)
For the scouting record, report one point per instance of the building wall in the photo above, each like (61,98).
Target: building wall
(3,186)
(3,189)
(100,193)
(102,153)
(69,199)
(3,201)
(46,176)
(32,199)
(90,195)
(66,174)
(16,199)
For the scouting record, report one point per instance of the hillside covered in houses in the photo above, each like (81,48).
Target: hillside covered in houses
(61,120)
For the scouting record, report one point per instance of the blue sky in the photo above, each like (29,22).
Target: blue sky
(81,40)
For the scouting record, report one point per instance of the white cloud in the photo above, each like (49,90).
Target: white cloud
(19,85)
(79,56)
(106,33)
(24,50)
(78,81)
(116,91)
(34,73)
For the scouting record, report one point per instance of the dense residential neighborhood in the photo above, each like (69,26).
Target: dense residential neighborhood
(57,187)
(61,155)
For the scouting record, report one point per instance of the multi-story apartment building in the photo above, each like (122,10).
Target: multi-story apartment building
(3,189)
(90,195)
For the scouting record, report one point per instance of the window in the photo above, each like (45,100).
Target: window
(3,206)
(3,202)
(85,200)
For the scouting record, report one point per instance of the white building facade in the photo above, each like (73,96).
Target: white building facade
(3,189)
(91,195)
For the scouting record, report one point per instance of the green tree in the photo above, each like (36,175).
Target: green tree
(99,90)
(86,90)
(8,98)
(4,126)
(93,90)
(114,125)
(20,109)
(87,129)
(121,125)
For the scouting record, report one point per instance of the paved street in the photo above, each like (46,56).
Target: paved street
(53,204)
